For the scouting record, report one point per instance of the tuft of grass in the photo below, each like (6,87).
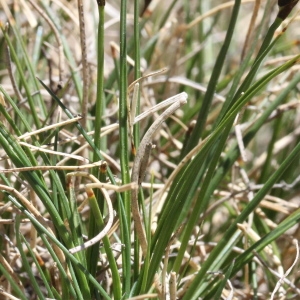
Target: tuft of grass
(149,150)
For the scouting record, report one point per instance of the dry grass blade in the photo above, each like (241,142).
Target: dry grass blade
(136,176)
(226,61)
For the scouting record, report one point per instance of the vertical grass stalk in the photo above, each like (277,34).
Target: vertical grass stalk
(206,104)
(100,100)
(123,106)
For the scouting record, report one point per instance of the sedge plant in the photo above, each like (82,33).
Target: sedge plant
(149,150)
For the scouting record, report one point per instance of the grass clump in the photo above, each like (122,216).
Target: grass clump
(149,151)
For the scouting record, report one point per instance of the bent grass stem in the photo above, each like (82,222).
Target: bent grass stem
(139,165)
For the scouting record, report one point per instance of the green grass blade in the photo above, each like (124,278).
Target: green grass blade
(108,249)
(45,277)
(123,130)
(32,82)
(100,100)
(25,261)
(206,104)
(218,294)
(212,262)
(71,257)
(18,291)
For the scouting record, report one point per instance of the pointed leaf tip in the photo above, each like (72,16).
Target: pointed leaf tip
(285,7)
